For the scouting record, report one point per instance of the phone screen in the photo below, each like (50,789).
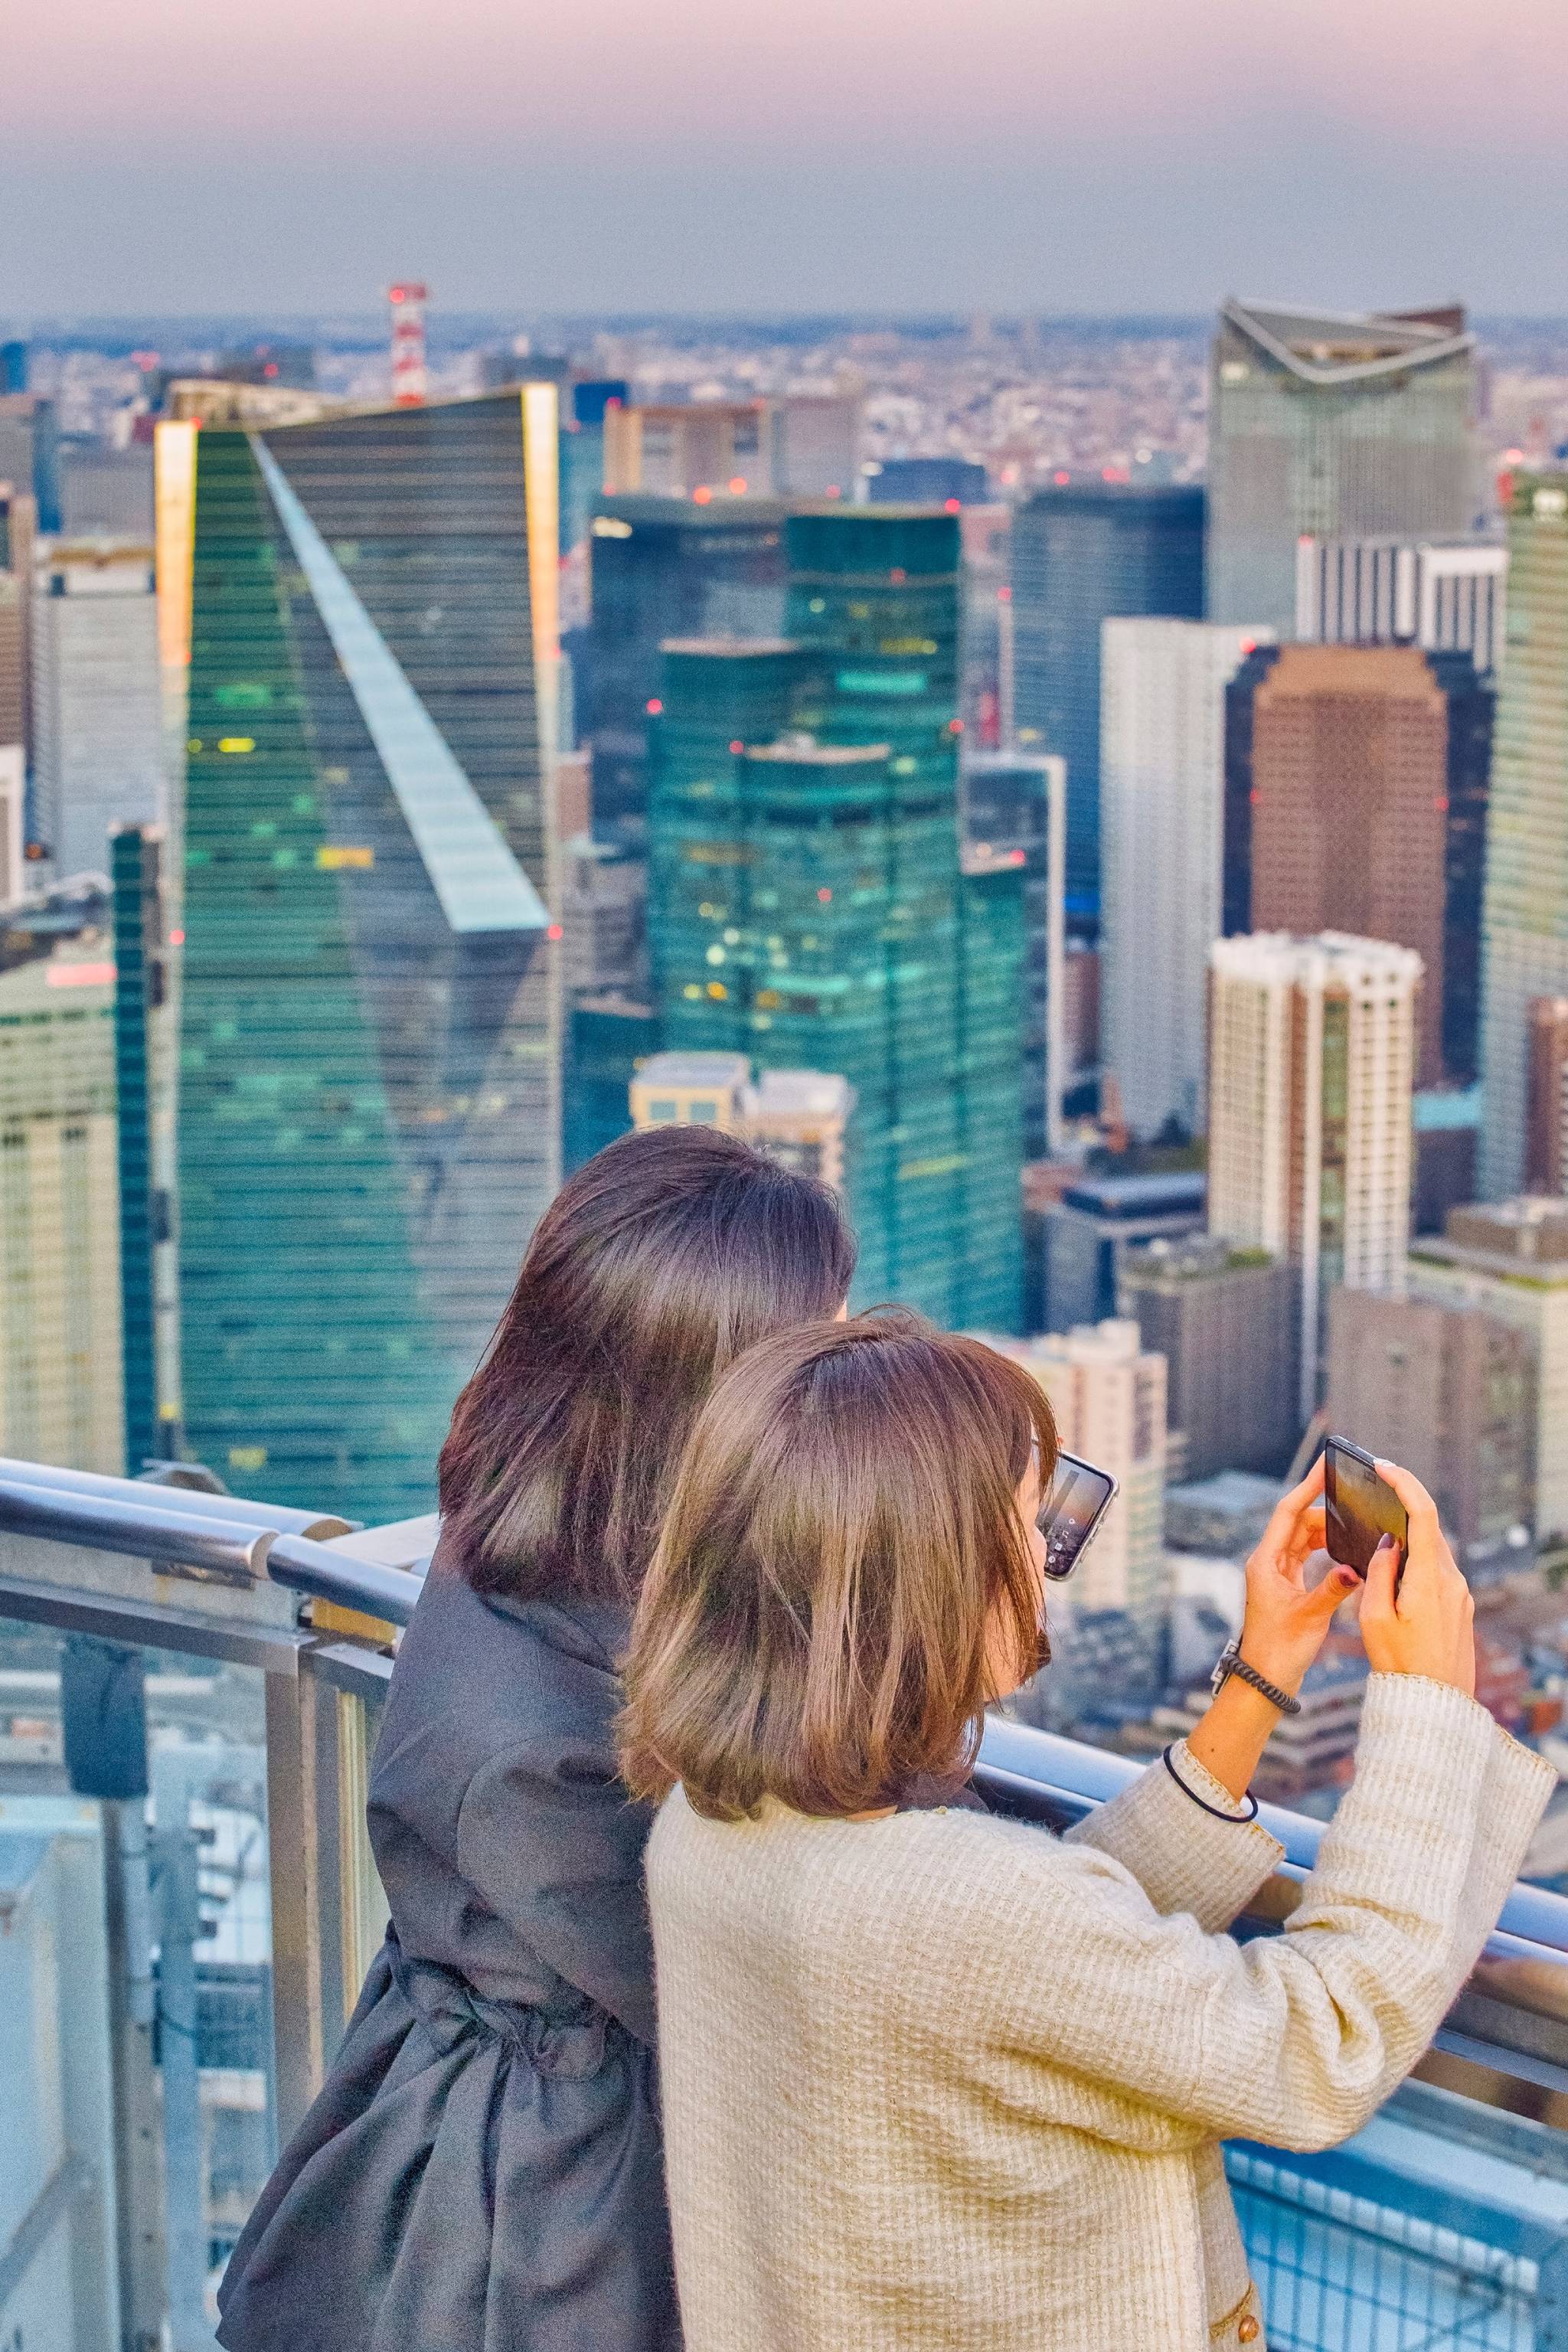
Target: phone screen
(1359,1506)
(1079,1499)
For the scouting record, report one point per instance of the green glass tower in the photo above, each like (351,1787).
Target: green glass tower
(809,908)
(368,1115)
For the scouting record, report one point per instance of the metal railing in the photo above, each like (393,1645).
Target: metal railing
(310,1605)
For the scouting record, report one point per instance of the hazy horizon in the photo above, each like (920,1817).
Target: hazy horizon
(1046,157)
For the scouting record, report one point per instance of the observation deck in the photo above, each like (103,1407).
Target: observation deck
(190,1686)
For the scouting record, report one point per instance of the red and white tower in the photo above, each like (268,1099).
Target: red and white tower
(407,302)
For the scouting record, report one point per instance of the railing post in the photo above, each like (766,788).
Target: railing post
(304,1877)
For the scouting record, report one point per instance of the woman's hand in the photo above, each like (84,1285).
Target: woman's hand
(1429,1628)
(1286,1620)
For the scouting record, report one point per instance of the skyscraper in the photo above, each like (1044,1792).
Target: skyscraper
(1015,809)
(369,1116)
(1546,1134)
(1162,848)
(1311,1068)
(1224,1321)
(60,1394)
(18,523)
(1356,797)
(1336,425)
(1081,553)
(808,906)
(97,714)
(666,567)
(1450,599)
(1525,928)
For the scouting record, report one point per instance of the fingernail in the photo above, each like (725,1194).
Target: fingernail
(1385,1543)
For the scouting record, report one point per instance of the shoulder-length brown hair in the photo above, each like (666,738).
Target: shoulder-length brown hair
(652,1268)
(842,1556)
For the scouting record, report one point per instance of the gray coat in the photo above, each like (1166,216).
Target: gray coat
(483,2169)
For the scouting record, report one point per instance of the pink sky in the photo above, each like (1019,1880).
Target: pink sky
(1040,153)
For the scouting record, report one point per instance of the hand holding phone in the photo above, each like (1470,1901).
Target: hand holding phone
(1360,1507)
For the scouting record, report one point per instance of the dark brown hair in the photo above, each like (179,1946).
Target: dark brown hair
(652,1268)
(842,1541)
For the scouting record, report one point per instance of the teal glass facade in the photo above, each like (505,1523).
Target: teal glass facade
(368,1111)
(808,905)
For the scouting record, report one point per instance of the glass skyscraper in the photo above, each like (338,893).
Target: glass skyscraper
(368,1117)
(1332,425)
(1084,553)
(809,905)
(1525,928)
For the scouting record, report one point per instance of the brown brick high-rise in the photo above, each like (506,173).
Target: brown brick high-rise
(1356,801)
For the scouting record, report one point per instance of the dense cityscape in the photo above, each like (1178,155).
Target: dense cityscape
(1089,791)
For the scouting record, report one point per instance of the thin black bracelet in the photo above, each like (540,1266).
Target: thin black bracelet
(1240,1819)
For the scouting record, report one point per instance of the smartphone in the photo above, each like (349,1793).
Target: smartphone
(1360,1507)
(1078,1498)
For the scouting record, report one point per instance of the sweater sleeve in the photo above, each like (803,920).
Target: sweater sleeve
(1297,2039)
(1184,1858)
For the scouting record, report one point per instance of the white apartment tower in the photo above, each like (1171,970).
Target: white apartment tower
(1162,816)
(1107,1394)
(1311,1075)
(97,714)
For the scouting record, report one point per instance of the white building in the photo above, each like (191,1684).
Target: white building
(97,721)
(62,1378)
(1311,1076)
(799,1117)
(1162,816)
(1107,1394)
(1445,597)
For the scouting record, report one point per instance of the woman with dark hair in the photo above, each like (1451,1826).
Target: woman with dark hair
(933,2080)
(483,2170)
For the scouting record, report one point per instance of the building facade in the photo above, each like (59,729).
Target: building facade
(369,1004)
(61,1398)
(1546,1122)
(1083,552)
(665,567)
(799,1117)
(1508,1260)
(1013,807)
(809,906)
(1356,783)
(97,727)
(1311,1069)
(1334,426)
(1162,793)
(1107,1395)
(1525,925)
(1451,599)
(1449,1392)
(1224,1321)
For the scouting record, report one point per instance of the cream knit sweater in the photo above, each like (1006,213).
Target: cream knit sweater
(943,2083)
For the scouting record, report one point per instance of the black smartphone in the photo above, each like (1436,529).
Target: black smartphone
(1078,1498)
(1360,1507)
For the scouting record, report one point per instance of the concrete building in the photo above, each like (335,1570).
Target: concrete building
(1448,599)
(1162,797)
(1312,1047)
(13,807)
(1450,1390)
(1092,1225)
(1511,1260)
(798,1118)
(1224,1321)
(700,449)
(18,520)
(1334,424)
(1356,783)
(1525,926)
(1014,805)
(1107,1394)
(61,1383)
(97,754)
(816,444)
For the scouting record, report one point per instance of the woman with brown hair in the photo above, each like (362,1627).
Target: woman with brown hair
(483,2170)
(934,2081)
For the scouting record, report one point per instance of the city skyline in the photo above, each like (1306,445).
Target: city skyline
(1052,160)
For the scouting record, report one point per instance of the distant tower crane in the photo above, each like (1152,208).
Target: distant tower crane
(408,377)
